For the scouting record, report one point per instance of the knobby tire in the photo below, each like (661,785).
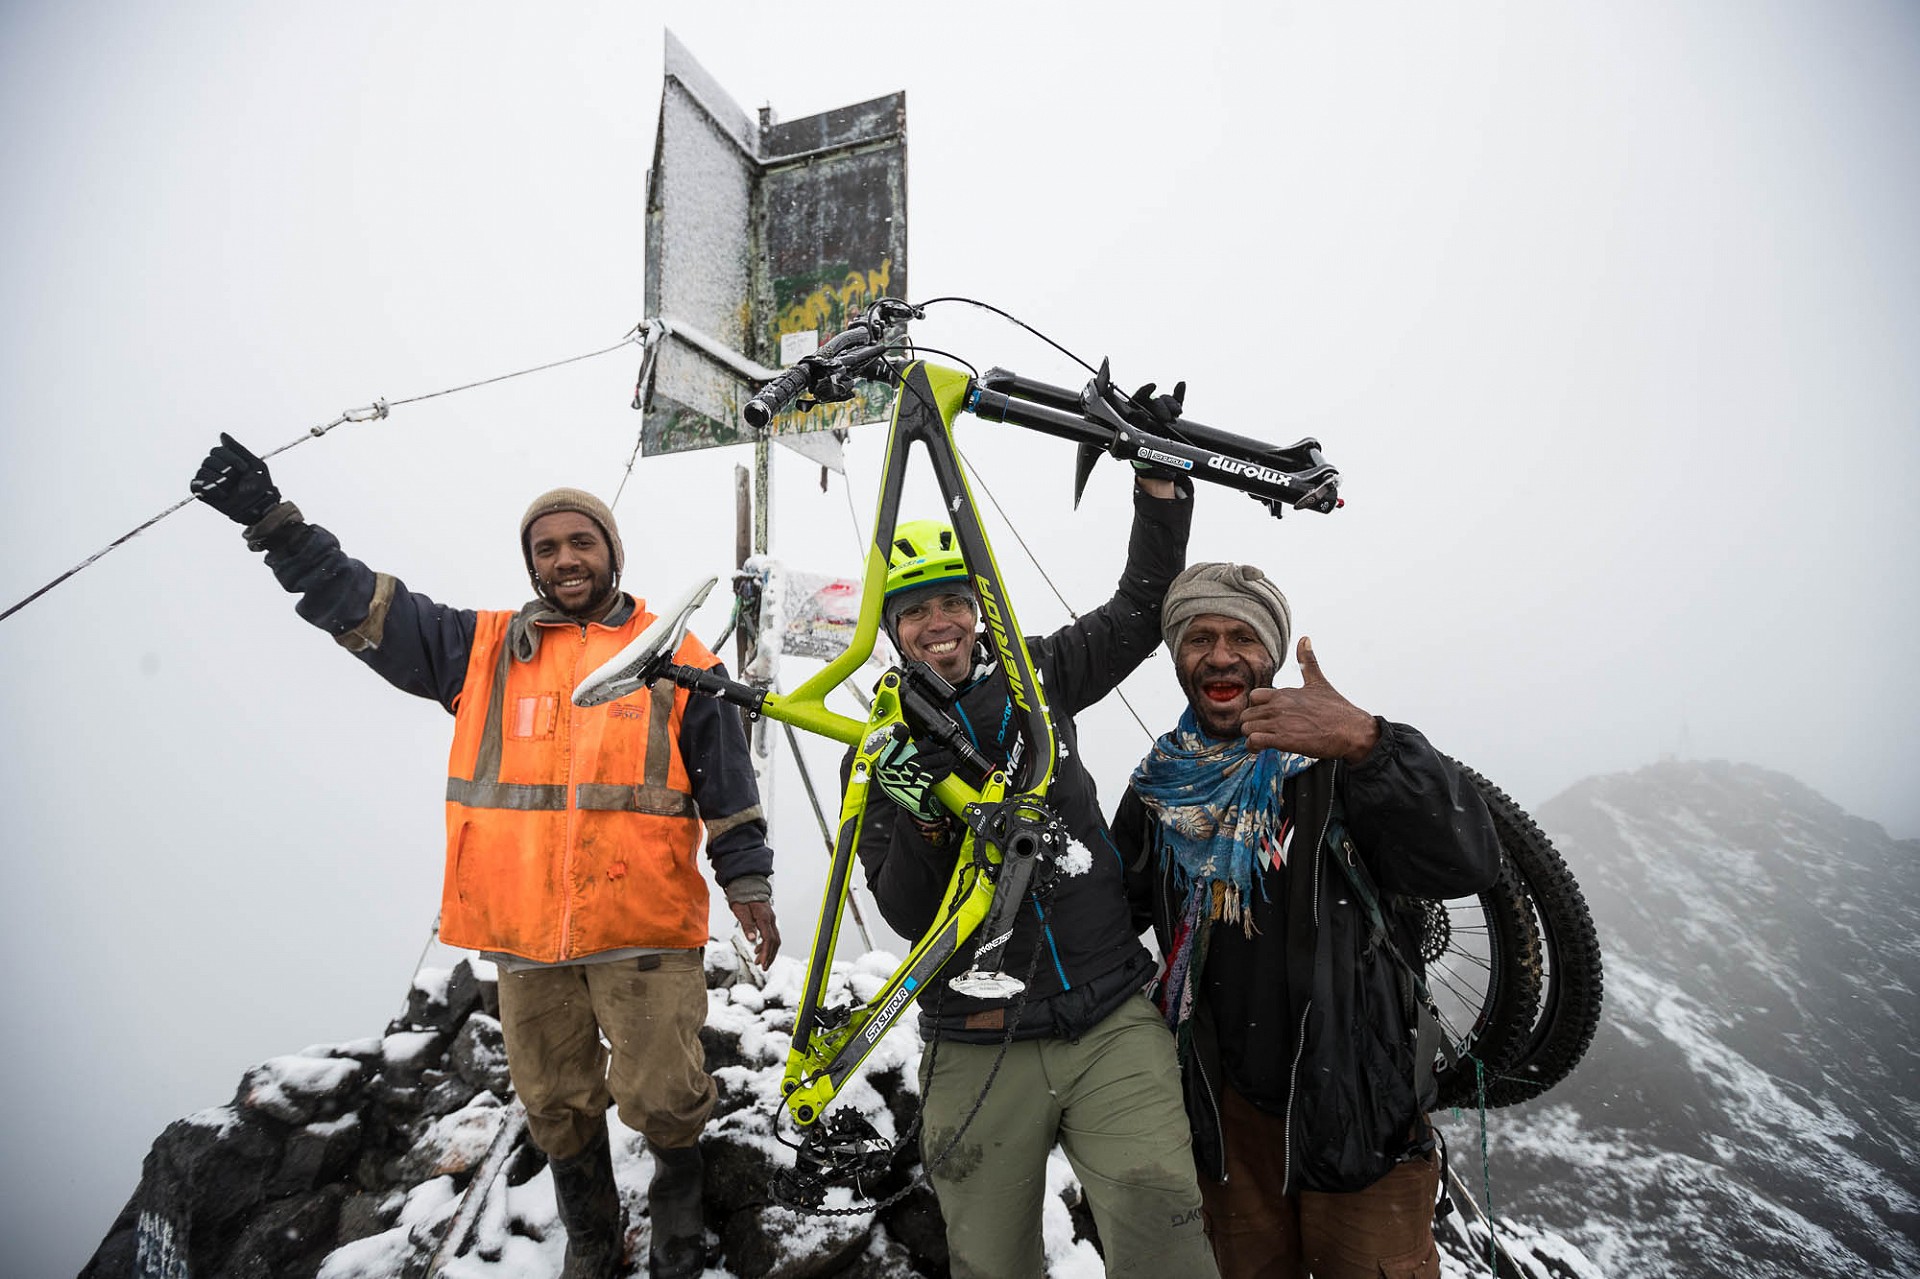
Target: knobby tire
(1570,1007)
(1549,1043)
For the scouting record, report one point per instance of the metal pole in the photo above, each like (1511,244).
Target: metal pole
(742,547)
(506,1139)
(762,492)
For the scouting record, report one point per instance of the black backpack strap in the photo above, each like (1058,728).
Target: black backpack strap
(1416,1000)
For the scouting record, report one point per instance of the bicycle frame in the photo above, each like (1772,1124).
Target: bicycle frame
(829,1045)
(1008,832)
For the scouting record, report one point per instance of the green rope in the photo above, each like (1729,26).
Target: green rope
(1486,1163)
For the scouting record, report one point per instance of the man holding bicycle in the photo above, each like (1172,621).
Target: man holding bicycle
(1255,834)
(572,840)
(1079,1056)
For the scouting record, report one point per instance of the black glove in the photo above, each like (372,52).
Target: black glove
(1164,411)
(907,772)
(235,483)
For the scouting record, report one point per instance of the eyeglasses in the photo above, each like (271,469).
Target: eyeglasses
(950,605)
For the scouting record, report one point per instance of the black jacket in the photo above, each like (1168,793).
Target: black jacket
(1089,957)
(1305,1019)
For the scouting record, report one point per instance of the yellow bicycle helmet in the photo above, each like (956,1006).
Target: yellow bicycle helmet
(924,554)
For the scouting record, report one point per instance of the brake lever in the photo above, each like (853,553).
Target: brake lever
(888,311)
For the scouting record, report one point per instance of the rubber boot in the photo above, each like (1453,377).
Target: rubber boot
(675,1200)
(589,1203)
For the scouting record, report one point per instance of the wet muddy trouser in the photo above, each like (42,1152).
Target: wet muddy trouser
(1112,1100)
(1258,1233)
(649,1008)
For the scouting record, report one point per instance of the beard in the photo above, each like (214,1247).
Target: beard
(600,590)
(1222,718)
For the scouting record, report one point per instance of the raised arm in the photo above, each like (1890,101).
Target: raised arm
(1420,824)
(1417,820)
(415,644)
(1086,659)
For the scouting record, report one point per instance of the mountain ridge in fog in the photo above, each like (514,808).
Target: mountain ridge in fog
(1748,1103)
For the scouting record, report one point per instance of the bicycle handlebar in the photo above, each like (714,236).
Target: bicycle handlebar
(1296,475)
(833,364)
(780,392)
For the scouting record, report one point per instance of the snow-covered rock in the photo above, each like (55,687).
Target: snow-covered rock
(353,1161)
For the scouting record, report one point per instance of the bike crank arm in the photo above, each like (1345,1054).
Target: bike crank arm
(1028,837)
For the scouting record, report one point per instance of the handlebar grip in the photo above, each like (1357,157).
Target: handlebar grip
(774,396)
(777,394)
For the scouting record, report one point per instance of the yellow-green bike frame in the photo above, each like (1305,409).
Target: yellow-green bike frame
(828,1046)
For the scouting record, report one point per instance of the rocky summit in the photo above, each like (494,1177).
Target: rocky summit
(404,1156)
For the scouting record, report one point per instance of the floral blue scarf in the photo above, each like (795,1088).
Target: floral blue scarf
(1221,813)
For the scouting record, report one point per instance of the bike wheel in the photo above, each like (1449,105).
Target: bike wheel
(1482,960)
(1558,1035)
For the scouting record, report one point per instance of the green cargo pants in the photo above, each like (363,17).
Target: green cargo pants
(1112,1100)
(650,1009)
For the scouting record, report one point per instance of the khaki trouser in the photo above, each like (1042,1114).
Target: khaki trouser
(1384,1230)
(1112,1099)
(650,1009)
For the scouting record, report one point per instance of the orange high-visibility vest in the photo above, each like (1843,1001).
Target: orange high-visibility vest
(569,831)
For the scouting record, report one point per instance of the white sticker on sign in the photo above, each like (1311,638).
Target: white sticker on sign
(795,345)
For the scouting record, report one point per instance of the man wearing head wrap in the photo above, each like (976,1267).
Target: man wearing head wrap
(1078,1057)
(1297,1040)
(572,839)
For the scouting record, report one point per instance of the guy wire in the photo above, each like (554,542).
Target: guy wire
(371,413)
(974,471)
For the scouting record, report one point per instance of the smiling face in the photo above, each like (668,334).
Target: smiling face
(573,563)
(1220,661)
(939,630)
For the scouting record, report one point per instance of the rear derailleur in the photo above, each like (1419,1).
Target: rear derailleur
(841,1150)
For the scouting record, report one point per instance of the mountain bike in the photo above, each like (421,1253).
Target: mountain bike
(1010,836)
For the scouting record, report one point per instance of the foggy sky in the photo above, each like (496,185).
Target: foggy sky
(1606,312)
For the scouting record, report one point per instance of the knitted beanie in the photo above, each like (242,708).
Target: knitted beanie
(581,503)
(1239,591)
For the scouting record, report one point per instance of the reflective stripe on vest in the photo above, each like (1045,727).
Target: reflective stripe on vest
(652,795)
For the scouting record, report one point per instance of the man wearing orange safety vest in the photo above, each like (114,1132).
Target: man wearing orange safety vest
(572,837)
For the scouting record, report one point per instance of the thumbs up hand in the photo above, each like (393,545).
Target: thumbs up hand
(1312,720)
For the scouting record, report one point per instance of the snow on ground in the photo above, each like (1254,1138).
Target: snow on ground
(285,1087)
(518,1235)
